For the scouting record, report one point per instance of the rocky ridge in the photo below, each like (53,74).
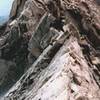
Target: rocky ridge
(60,40)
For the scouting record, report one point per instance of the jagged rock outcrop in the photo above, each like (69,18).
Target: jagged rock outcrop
(60,40)
(17,8)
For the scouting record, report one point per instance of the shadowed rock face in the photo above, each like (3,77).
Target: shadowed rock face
(98,2)
(14,40)
(51,48)
(19,58)
(6,70)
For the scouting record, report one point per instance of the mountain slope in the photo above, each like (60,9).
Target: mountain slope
(54,45)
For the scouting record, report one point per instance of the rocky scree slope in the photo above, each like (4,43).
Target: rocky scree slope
(59,40)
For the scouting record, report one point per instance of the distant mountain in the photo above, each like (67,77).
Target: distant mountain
(3,19)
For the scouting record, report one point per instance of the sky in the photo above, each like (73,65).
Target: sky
(5,7)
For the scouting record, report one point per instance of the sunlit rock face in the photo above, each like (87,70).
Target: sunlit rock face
(17,8)
(54,46)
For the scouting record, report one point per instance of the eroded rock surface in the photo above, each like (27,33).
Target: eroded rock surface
(60,40)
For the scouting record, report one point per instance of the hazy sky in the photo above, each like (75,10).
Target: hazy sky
(5,7)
